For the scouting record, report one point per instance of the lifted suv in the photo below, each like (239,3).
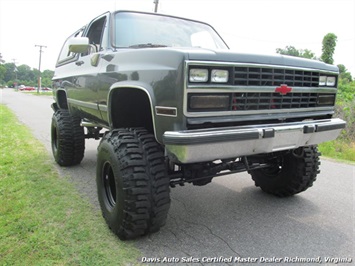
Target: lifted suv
(172,105)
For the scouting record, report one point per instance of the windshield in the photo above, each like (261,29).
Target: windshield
(139,30)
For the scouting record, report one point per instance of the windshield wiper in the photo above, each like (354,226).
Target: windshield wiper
(147,45)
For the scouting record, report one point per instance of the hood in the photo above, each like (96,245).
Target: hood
(199,54)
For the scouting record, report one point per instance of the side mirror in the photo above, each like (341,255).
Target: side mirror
(78,45)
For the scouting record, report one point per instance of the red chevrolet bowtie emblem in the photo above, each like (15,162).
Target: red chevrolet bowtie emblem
(283,89)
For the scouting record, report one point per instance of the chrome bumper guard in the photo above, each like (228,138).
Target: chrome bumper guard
(204,145)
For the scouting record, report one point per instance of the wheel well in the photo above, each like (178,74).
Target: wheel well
(62,99)
(131,108)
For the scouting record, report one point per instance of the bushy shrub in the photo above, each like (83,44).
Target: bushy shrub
(345,109)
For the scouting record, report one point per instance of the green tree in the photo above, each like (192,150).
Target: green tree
(25,74)
(2,74)
(308,54)
(289,50)
(10,72)
(47,76)
(329,43)
(344,75)
(292,51)
(1,60)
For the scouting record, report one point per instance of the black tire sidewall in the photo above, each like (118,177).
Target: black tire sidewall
(113,216)
(54,139)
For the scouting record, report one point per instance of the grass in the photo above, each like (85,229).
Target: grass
(42,93)
(43,219)
(343,148)
(338,149)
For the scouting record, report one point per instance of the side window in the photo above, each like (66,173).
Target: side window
(65,55)
(95,33)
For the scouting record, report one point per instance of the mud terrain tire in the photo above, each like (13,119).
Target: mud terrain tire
(292,173)
(67,138)
(132,183)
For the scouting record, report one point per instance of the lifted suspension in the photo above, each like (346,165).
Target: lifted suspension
(202,173)
(93,130)
(94,133)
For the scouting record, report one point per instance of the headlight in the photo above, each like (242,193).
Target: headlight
(212,102)
(219,76)
(198,75)
(326,99)
(329,81)
(322,80)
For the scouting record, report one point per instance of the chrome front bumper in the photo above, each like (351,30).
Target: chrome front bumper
(212,144)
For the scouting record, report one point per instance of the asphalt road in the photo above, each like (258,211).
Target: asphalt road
(229,219)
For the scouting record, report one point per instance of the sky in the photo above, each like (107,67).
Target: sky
(248,26)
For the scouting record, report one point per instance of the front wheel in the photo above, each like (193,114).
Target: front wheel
(291,173)
(132,183)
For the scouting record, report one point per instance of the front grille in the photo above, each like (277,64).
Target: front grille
(262,76)
(251,101)
(270,101)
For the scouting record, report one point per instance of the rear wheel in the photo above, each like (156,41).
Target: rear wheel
(132,183)
(290,174)
(67,138)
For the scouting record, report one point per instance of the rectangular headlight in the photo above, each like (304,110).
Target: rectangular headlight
(322,80)
(209,101)
(219,76)
(326,99)
(331,81)
(198,75)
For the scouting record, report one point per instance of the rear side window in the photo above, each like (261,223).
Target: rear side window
(65,55)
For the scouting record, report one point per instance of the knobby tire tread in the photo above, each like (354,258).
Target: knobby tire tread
(71,146)
(145,182)
(297,175)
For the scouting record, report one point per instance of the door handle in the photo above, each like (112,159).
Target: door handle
(79,63)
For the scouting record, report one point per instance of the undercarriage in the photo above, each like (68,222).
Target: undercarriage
(200,174)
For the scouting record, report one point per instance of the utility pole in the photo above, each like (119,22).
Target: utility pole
(156,2)
(39,67)
(15,70)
